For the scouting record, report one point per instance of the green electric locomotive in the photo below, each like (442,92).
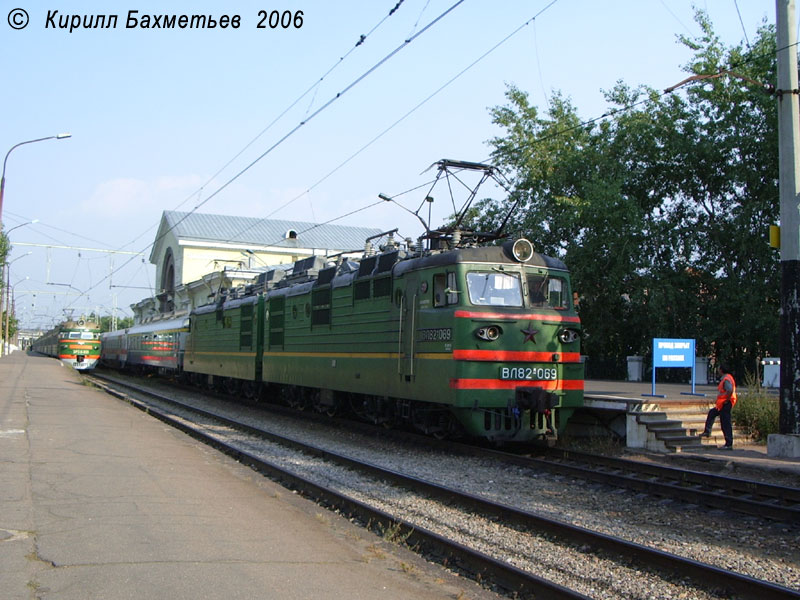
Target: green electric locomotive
(475,341)
(454,339)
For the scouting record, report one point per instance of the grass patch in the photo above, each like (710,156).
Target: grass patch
(608,445)
(395,534)
(407,567)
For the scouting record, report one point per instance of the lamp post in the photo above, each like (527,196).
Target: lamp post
(5,278)
(9,291)
(22,225)
(59,136)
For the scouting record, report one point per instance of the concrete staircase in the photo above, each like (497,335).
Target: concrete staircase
(675,426)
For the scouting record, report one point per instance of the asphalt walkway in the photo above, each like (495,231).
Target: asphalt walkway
(99,500)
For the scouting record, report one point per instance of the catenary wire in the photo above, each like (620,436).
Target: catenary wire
(539,140)
(398,121)
(354,83)
(738,12)
(43,224)
(362,38)
(550,136)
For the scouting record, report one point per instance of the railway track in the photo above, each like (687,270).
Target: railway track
(764,500)
(760,499)
(718,492)
(781,503)
(472,507)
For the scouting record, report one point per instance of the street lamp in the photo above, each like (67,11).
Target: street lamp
(6,266)
(20,256)
(59,136)
(4,281)
(22,225)
(9,295)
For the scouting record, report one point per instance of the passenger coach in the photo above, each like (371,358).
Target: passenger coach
(159,344)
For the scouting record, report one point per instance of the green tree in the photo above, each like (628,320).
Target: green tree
(122,323)
(5,248)
(661,209)
(731,193)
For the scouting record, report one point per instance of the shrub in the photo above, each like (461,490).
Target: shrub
(756,410)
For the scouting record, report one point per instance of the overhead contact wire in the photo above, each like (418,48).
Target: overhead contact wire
(362,38)
(401,119)
(539,140)
(297,127)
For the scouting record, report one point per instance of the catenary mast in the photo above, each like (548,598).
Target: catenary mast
(789,165)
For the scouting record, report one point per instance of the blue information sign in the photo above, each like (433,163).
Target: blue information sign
(673,353)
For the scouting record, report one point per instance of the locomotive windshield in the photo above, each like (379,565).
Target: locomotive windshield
(494,289)
(81,335)
(505,289)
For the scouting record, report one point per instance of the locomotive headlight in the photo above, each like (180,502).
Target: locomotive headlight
(567,336)
(489,333)
(522,250)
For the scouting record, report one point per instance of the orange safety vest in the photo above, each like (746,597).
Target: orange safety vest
(722,395)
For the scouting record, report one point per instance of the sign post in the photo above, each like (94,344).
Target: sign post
(673,353)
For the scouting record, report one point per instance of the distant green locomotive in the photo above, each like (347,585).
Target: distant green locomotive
(479,341)
(76,343)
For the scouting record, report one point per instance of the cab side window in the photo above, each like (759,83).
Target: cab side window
(439,286)
(452,291)
(444,289)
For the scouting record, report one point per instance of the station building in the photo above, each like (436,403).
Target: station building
(199,255)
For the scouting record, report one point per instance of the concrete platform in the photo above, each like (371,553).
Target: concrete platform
(641,390)
(746,455)
(98,500)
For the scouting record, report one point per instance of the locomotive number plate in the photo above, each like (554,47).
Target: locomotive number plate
(435,335)
(528,373)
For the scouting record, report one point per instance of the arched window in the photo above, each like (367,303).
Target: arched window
(167,295)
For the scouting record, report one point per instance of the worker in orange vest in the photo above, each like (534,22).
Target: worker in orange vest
(726,399)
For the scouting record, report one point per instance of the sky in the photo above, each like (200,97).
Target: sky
(296,123)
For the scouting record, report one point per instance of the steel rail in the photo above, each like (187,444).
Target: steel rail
(780,503)
(703,574)
(688,477)
(672,483)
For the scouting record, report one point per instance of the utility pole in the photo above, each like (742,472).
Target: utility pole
(787,443)
(3,282)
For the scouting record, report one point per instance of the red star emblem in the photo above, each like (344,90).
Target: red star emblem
(530,334)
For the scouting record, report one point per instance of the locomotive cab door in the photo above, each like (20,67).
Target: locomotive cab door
(409,302)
